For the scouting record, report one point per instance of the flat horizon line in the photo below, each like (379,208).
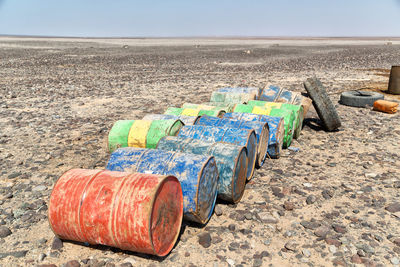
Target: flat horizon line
(288,37)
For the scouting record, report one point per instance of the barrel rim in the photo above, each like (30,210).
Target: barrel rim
(252,133)
(153,202)
(168,130)
(262,149)
(205,220)
(243,148)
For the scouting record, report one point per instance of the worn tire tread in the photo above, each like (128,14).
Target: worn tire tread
(322,104)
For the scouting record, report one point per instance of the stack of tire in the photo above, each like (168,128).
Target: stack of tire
(170,166)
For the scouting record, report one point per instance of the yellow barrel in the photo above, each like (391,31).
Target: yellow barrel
(190,112)
(261,110)
(138,133)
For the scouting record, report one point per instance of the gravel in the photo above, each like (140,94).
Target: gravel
(335,201)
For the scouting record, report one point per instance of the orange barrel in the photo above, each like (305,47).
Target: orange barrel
(198,175)
(131,211)
(187,120)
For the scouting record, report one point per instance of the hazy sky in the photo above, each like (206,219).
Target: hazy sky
(200,18)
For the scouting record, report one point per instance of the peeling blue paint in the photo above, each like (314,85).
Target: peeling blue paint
(236,136)
(276,129)
(231,161)
(198,175)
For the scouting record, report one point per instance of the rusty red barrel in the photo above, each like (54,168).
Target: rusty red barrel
(131,211)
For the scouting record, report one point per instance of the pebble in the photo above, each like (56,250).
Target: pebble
(321,231)
(339,228)
(72,263)
(14,175)
(230,262)
(4,231)
(394,207)
(39,188)
(371,175)
(205,240)
(306,252)
(291,245)
(311,199)
(266,217)
(327,194)
(395,261)
(332,249)
(41,257)
(257,263)
(308,185)
(218,210)
(57,244)
(288,205)
(356,259)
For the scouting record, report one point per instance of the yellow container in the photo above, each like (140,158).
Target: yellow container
(138,133)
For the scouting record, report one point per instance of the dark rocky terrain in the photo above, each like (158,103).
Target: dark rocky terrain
(335,202)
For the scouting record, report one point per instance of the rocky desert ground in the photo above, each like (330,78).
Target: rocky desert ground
(334,202)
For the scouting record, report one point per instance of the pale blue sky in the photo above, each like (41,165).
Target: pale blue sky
(153,18)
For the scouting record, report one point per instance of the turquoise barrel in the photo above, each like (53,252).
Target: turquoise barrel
(232,97)
(276,94)
(231,162)
(270,94)
(197,174)
(187,120)
(243,137)
(250,90)
(261,129)
(276,129)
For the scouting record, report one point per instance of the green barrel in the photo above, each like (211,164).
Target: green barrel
(228,107)
(254,103)
(173,111)
(299,117)
(195,112)
(243,108)
(207,106)
(213,113)
(118,136)
(160,128)
(289,121)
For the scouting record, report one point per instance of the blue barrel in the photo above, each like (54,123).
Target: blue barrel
(261,129)
(197,174)
(270,94)
(285,96)
(276,129)
(187,120)
(231,162)
(242,137)
(258,91)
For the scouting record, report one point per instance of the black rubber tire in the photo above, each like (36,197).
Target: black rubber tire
(359,98)
(322,104)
